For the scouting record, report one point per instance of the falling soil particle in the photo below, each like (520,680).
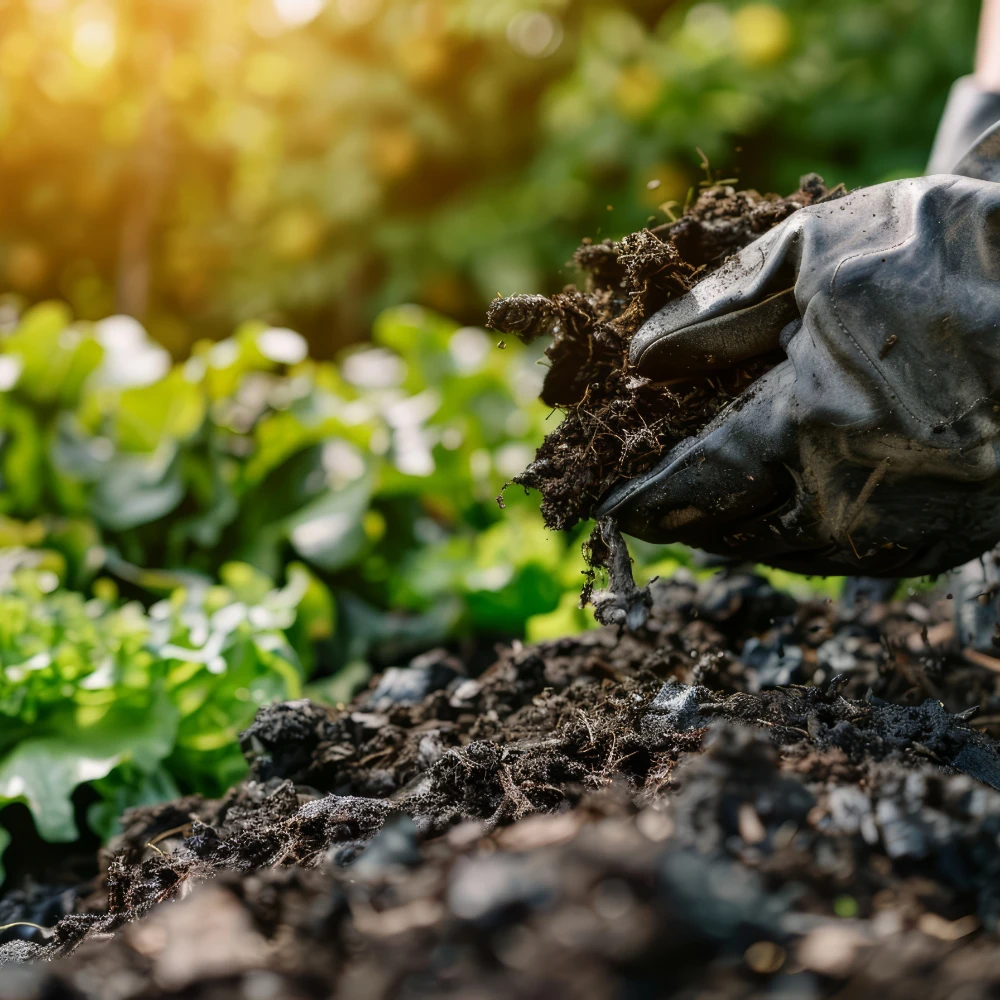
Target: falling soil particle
(616,425)
(746,797)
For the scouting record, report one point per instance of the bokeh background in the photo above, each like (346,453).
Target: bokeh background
(309,162)
(251,430)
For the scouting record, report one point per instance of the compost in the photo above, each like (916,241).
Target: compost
(748,796)
(616,425)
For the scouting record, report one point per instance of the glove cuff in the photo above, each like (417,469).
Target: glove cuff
(969,112)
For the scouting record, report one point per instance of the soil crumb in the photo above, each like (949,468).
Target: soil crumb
(616,425)
(747,797)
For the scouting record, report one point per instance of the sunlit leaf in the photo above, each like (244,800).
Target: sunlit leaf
(329,532)
(44,772)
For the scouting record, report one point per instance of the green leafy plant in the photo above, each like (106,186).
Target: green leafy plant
(140,704)
(380,472)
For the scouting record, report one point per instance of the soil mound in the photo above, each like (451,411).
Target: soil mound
(616,424)
(747,797)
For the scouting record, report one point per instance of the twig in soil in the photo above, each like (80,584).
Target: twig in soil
(981,659)
(522,804)
(283,857)
(24,923)
(854,512)
(169,833)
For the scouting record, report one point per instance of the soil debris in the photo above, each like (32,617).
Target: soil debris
(622,603)
(649,813)
(616,425)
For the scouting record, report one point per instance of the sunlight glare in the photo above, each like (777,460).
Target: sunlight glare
(295,12)
(94,37)
(534,34)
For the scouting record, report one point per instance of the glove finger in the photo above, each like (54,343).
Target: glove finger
(721,342)
(753,278)
(729,472)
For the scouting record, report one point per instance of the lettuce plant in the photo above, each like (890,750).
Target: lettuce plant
(140,704)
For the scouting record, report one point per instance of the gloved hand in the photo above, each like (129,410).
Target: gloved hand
(874,448)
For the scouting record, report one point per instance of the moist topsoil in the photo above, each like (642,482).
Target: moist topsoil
(616,425)
(746,797)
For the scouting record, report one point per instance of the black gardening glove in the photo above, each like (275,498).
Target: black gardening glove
(874,448)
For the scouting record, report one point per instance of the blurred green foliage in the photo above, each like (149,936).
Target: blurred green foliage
(379,472)
(310,161)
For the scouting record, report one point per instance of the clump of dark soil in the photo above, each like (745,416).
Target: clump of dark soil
(616,424)
(746,797)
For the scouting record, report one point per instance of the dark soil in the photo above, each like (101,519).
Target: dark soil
(616,424)
(748,797)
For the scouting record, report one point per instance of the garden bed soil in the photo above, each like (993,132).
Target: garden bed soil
(749,796)
(615,424)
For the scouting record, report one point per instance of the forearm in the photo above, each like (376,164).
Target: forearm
(974,102)
(988,48)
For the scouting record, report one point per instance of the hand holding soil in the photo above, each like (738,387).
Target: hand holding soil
(872,447)
(617,425)
(867,325)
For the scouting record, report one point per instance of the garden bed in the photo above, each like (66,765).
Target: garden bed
(748,795)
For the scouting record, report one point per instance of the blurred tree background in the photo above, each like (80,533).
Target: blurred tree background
(308,162)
